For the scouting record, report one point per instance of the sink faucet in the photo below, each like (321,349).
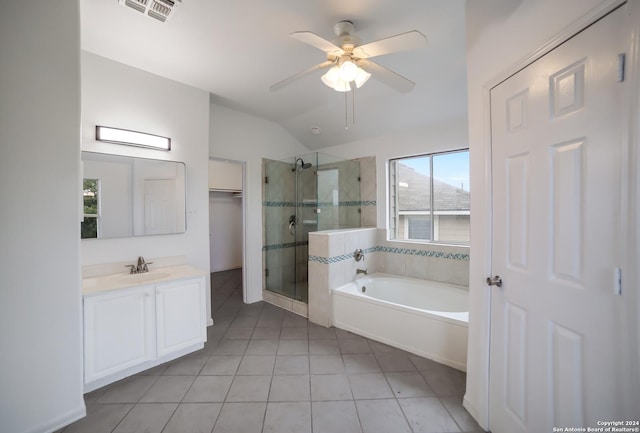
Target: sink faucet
(142,265)
(361,271)
(140,268)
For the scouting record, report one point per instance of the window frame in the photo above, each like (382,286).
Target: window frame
(393,202)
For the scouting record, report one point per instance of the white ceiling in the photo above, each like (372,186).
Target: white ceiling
(236,49)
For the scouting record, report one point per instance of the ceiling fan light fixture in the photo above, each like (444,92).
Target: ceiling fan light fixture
(332,79)
(361,77)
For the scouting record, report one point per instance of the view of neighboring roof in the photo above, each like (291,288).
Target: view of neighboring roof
(416,196)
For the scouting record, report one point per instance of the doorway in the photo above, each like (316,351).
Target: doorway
(226,222)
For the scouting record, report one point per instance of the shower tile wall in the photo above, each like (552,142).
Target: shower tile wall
(436,262)
(339,195)
(331,264)
(307,219)
(368,191)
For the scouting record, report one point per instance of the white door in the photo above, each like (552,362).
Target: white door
(180,311)
(160,204)
(557,151)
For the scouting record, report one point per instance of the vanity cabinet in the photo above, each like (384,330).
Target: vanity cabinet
(180,315)
(131,329)
(118,331)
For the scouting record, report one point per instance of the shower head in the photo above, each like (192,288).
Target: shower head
(303,165)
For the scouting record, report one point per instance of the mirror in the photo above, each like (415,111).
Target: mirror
(125,196)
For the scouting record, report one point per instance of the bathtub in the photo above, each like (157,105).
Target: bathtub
(423,317)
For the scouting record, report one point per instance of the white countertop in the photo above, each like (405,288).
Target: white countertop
(94,285)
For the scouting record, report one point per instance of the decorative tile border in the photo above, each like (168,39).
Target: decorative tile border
(425,253)
(281,246)
(354,203)
(337,259)
(392,250)
(279,203)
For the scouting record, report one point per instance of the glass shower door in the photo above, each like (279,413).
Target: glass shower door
(279,212)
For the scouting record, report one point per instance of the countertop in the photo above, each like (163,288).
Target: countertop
(95,285)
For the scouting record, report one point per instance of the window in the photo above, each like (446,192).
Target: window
(429,198)
(89,227)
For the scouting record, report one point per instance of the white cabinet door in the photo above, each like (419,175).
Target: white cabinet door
(118,331)
(181,311)
(225,176)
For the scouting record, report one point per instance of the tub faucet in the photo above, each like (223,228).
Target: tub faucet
(361,271)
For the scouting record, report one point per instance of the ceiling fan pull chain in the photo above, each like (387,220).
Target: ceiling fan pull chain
(353,106)
(346,112)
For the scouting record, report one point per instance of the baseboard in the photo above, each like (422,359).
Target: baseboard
(114,377)
(62,421)
(227,268)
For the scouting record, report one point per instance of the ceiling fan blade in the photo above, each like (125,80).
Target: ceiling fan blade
(280,84)
(316,41)
(387,76)
(402,42)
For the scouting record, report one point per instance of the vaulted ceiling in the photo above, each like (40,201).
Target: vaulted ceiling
(236,49)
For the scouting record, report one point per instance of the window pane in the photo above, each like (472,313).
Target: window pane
(90,196)
(419,228)
(413,189)
(89,228)
(451,197)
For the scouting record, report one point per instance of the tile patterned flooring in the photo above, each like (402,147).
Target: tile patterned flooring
(265,370)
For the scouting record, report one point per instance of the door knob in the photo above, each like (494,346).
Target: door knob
(494,281)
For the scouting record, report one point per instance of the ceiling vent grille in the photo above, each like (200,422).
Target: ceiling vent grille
(162,10)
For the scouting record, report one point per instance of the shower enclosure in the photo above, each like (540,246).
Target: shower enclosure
(303,194)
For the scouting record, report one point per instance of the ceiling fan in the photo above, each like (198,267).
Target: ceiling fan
(349,61)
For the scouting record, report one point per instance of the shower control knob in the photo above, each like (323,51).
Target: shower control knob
(494,281)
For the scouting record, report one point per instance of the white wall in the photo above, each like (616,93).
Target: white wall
(501,34)
(225,230)
(117,95)
(242,137)
(40,302)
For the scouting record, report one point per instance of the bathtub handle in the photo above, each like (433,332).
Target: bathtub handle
(494,281)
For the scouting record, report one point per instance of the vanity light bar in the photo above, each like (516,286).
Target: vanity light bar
(132,138)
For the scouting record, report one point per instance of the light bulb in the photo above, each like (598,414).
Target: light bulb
(348,71)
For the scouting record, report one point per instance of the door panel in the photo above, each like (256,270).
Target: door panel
(556,158)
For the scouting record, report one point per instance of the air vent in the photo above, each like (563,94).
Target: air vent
(162,10)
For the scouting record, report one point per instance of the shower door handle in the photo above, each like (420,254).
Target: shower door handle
(292,225)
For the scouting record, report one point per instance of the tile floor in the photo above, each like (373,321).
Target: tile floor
(265,370)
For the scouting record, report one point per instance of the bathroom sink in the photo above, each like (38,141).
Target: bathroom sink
(142,278)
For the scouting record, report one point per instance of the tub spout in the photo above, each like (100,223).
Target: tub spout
(361,271)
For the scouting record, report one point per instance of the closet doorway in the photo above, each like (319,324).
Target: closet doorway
(226,222)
